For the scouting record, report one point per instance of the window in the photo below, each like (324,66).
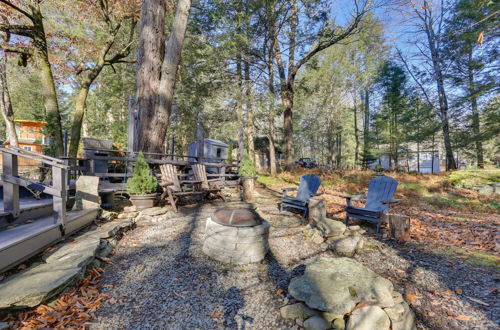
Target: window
(219,152)
(27,148)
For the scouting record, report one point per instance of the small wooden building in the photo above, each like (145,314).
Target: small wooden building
(30,137)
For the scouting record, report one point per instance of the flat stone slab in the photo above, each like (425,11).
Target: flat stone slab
(62,267)
(336,285)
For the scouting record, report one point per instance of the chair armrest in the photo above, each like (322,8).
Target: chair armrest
(166,183)
(354,197)
(317,194)
(286,190)
(213,180)
(392,201)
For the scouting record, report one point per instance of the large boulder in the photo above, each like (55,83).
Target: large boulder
(330,227)
(401,316)
(347,246)
(297,311)
(336,285)
(316,323)
(368,318)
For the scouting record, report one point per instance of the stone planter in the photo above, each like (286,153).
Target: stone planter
(142,202)
(248,185)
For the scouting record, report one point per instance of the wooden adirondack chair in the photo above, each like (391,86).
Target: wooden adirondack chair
(173,187)
(380,192)
(200,174)
(308,187)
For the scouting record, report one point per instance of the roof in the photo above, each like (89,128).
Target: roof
(31,122)
(212,142)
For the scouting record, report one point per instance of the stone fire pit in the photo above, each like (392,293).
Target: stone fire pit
(236,235)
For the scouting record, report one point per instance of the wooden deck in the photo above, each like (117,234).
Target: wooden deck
(19,243)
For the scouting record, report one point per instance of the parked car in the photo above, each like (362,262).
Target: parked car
(306,163)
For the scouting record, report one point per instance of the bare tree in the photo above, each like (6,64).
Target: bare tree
(327,37)
(35,32)
(429,19)
(5,104)
(91,70)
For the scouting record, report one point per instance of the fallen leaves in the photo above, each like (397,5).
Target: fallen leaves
(71,310)
(412,298)
(459,291)
(215,315)
(279,292)
(463,318)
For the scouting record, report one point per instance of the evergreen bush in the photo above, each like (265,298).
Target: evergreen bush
(247,167)
(143,182)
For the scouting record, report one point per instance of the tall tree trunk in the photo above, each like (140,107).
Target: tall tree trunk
(438,75)
(5,104)
(154,139)
(52,114)
(288,92)
(249,108)
(150,55)
(366,127)
(476,129)
(239,75)
(356,135)
(270,85)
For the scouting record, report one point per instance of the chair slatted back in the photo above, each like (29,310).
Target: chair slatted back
(169,174)
(381,188)
(309,185)
(200,174)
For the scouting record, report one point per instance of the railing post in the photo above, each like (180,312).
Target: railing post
(59,203)
(10,190)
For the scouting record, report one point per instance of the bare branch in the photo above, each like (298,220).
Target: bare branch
(22,30)
(17,49)
(25,13)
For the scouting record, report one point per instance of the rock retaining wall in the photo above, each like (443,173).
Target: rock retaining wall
(62,266)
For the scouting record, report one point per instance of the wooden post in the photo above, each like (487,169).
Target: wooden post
(317,210)
(172,148)
(132,126)
(200,139)
(59,202)
(399,227)
(10,190)
(248,184)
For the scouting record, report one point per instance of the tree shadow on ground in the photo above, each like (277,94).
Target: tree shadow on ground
(160,283)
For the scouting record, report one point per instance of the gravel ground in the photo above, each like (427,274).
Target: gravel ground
(161,279)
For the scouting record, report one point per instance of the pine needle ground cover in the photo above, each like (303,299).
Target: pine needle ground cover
(445,217)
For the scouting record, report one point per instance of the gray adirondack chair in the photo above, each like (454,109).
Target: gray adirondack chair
(308,187)
(380,192)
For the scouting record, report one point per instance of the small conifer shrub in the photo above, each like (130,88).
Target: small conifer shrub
(143,182)
(247,167)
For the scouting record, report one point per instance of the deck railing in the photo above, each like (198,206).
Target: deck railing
(57,188)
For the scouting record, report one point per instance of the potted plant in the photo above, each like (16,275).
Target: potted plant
(142,186)
(248,173)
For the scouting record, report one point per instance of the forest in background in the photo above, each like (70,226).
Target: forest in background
(339,81)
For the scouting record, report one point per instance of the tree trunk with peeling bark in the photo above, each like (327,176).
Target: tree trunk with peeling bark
(150,55)
(5,104)
(154,139)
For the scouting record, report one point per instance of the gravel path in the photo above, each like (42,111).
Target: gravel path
(161,279)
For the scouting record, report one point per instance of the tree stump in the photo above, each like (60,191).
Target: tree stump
(248,185)
(399,227)
(317,210)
